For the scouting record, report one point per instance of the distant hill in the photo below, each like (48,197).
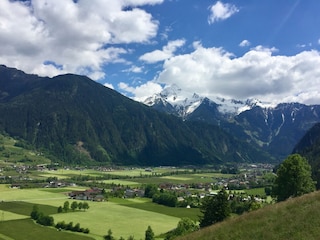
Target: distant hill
(78,120)
(294,219)
(309,147)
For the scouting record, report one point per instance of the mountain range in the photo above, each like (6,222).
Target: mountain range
(274,128)
(78,121)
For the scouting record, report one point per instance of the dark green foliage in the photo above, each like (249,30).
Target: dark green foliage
(185,226)
(74,205)
(150,190)
(40,218)
(108,236)
(45,220)
(76,120)
(76,228)
(293,178)
(66,206)
(35,212)
(309,147)
(165,198)
(239,206)
(60,209)
(214,209)
(149,235)
(80,204)
(85,206)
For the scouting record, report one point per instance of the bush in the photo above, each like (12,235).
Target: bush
(45,220)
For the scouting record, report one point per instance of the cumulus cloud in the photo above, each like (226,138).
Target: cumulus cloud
(221,11)
(143,91)
(166,52)
(75,35)
(257,74)
(244,43)
(133,69)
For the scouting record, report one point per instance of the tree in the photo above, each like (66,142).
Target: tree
(150,190)
(45,220)
(80,204)
(66,206)
(293,178)
(185,226)
(214,209)
(74,205)
(76,228)
(85,206)
(149,234)
(35,212)
(60,209)
(108,236)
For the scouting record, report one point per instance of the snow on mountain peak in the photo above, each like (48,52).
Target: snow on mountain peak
(185,102)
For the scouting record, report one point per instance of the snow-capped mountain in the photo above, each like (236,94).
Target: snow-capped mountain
(276,128)
(174,100)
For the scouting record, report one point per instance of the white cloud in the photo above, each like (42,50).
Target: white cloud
(74,35)
(143,91)
(221,11)
(166,52)
(257,74)
(244,43)
(133,69)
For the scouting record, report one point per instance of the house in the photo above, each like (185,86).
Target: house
(131,193)
(92,194)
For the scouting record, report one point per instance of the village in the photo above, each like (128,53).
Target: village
(236,179)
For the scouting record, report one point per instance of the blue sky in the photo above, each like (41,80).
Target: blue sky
(265,49)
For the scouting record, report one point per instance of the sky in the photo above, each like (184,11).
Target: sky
(240,49)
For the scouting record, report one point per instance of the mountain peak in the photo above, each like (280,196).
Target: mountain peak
(186,103)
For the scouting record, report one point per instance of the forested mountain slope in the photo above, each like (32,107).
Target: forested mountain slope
(80,121)
(309,147)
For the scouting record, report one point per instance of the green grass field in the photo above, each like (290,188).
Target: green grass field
(146,204)
(124,221)
(26,229)
(125,218)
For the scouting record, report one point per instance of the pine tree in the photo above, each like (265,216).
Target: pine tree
(149,234)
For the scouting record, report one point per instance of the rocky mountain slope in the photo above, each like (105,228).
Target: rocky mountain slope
(276,129)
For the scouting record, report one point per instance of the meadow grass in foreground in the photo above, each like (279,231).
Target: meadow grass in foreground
(123,221)
(27,229)
(99,218)
(295,219)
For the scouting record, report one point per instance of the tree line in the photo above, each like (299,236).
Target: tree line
(47,220)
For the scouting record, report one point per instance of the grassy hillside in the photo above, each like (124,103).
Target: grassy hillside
(19,152)
(297,218)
